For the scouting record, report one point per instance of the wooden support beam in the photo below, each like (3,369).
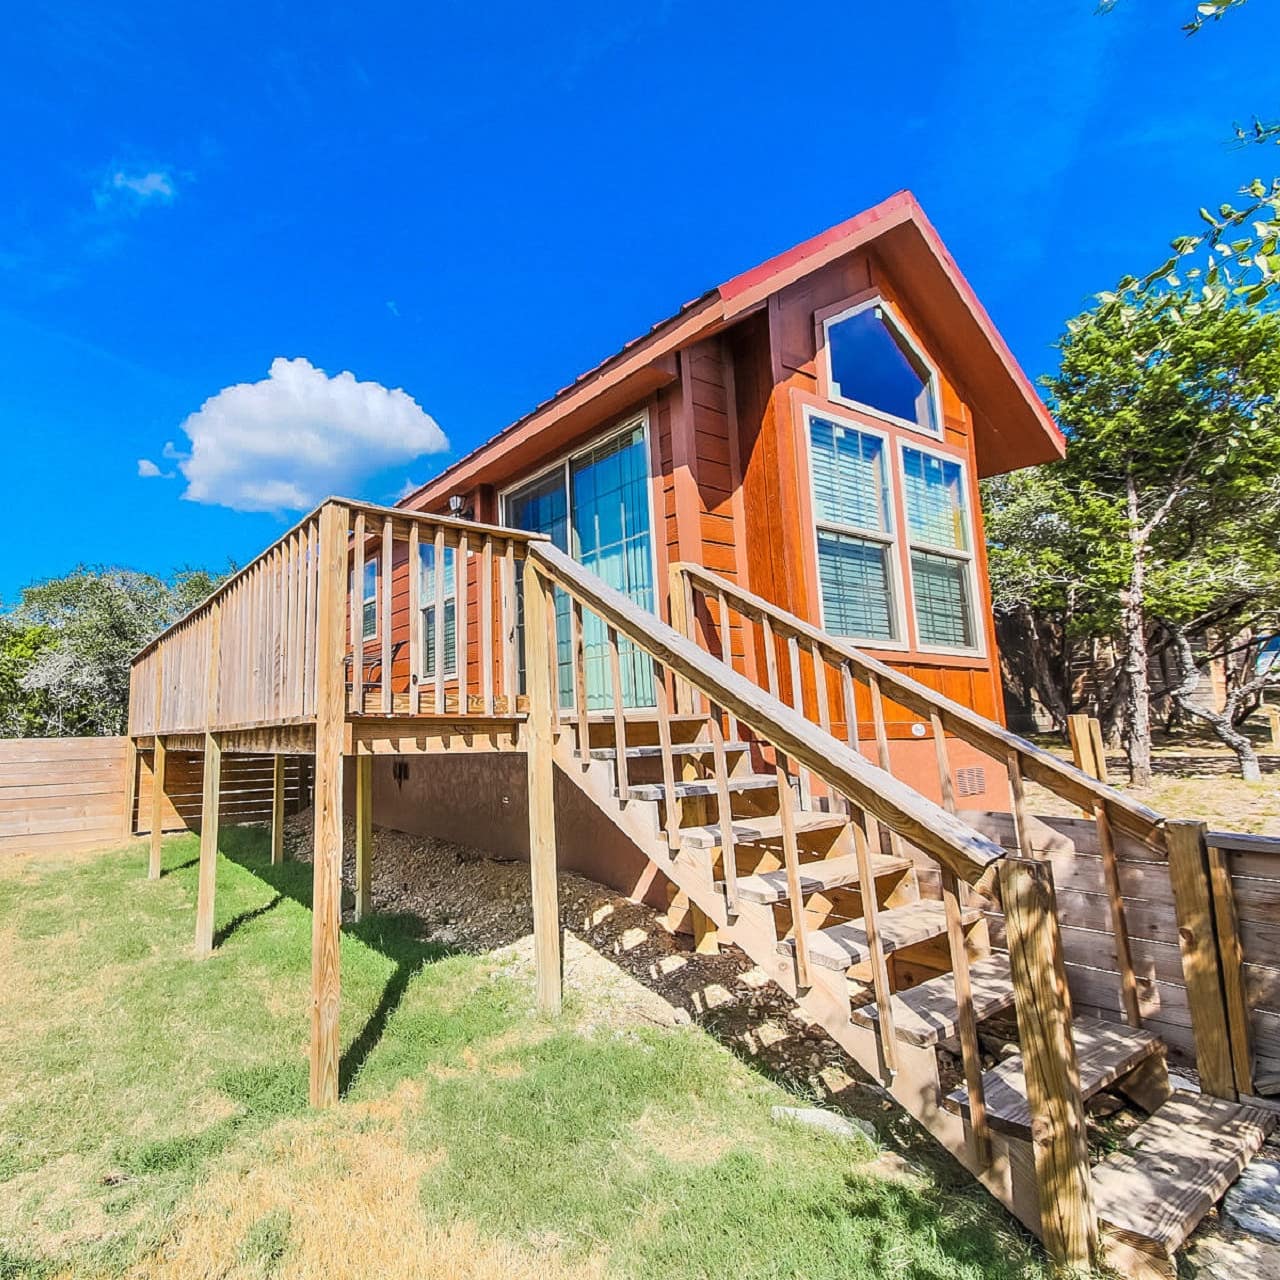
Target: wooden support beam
(326,895)
(364,835)
(277,809)
(1231,962)
(1068,1224)
(1197,939)
(159,758)
(541,689)
(208,845)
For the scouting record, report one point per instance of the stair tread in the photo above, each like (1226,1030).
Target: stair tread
(1105,1051)
(928,1014)
(828,873)
(764,830)
(1176,1165)
(654,750)
(702,787)
(839,946)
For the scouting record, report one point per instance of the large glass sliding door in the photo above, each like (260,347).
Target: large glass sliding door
(596,507)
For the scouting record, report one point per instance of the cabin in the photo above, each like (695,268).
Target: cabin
(814,431)
(712,625)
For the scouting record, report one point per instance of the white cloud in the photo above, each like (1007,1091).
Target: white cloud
(299,435)
(149,471)
(136,189)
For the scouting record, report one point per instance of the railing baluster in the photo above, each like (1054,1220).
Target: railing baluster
(770,655)
(461,601)
(663,708)
(415,619)
(724,810)
(879,967)
(1119,921)
(622,770)
(437,578)
(791,861)
(578,661)
(387,575)
(726,647)
(944,765)
(486,624)
(357,617)
(1021,833)
(882,746)
(509,626)
(966,1020)
(797,702)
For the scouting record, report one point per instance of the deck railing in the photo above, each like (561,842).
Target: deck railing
(246,656)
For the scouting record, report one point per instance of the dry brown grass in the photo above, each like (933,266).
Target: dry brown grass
(348,1192)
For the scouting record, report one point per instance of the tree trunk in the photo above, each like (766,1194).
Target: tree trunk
(1134,623)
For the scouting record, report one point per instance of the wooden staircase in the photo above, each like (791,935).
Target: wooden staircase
(827,897)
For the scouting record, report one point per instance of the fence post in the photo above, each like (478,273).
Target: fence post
(541,690)
(1197,939)
(1068,1224)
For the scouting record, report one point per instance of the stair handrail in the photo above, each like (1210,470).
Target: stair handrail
(945,837)
(1035,763)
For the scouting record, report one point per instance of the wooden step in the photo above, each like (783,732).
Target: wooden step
(766,830)
(840,946)
(654,751)
(926,1015)
(1105,1051)
(703,787)
(829,873)
(1151,1194)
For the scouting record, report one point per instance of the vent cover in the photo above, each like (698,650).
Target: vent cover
(971,781)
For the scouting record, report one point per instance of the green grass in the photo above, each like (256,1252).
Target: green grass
(150,1104)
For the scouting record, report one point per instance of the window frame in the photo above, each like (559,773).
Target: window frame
(966,557)
(563,463)
(426,606)
(367,600)
(933,382)
(889,537)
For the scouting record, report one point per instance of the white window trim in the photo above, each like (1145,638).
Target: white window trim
(451,670)
(932,384)
(366,600)
(968,558)
(889,536)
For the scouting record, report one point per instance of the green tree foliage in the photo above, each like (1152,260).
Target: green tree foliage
(1165,516)
(65,649)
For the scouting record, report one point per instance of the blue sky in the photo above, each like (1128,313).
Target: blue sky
(473,203)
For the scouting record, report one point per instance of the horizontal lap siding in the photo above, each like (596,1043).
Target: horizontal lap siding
(61,793)
(1255,881)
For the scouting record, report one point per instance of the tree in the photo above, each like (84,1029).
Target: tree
(80,633)
(1174,444)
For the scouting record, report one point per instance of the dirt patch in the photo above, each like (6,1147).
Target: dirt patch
(332,1204)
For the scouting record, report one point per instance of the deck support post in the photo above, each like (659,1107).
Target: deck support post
(159,759)
(1068,1223)
(278,763)
(130,785)
(364,835)
(541,786)
(326,896)
(208,845)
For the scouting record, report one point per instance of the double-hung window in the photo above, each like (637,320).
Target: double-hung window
(428,599)
(854,518)
(938,531)
(369,600)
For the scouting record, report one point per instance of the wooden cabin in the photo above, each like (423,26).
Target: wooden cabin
(713,626)
(814,430)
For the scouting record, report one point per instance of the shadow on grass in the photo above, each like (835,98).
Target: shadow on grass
(180,866)
(397,937)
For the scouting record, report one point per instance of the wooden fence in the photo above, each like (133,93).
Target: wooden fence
(61,793)
(70,793)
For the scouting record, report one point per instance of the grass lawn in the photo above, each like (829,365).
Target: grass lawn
(153,1118)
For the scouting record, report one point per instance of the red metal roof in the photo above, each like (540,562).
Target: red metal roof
(1014,427)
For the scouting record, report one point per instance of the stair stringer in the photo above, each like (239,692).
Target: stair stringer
(1010,1174)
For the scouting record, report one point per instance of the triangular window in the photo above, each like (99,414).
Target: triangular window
(873,365)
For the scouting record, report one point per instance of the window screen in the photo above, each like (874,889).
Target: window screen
(427,596)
